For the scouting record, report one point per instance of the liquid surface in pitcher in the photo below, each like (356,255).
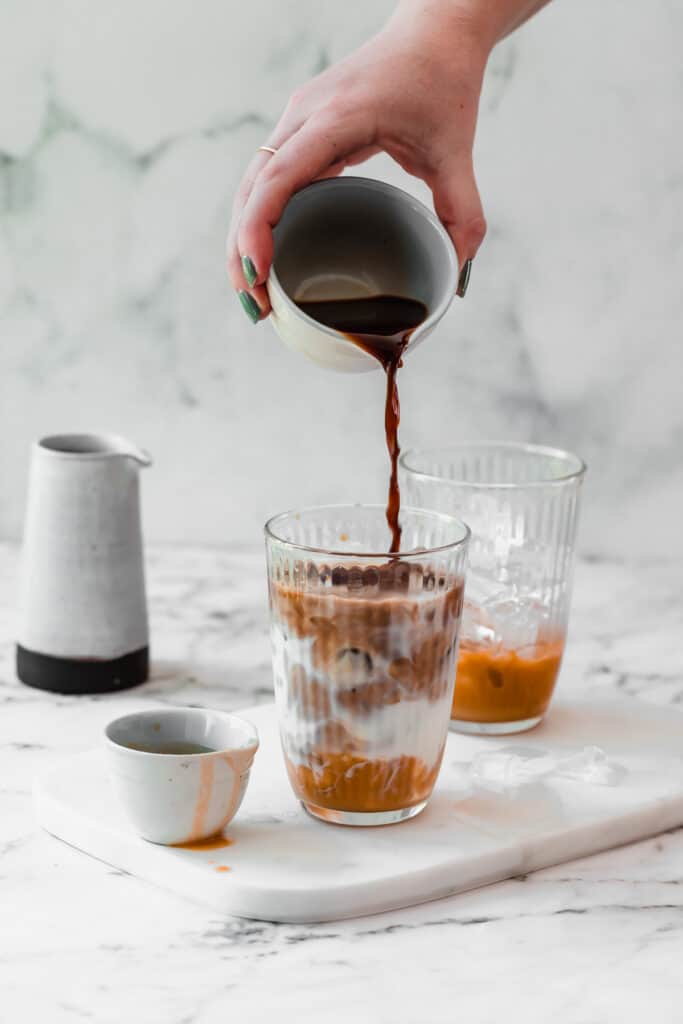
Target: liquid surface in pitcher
(382,326)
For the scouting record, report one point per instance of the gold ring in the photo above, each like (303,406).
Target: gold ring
(267,149)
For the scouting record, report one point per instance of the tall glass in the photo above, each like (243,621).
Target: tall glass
(521,503)
(364,650)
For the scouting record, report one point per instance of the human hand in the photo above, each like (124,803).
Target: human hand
(413,92)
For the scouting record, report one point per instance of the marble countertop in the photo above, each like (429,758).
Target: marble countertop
(592,941)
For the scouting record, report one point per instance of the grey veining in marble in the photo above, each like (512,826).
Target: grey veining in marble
(593,941)
(123,133)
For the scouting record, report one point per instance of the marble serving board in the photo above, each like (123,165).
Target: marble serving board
(282,865)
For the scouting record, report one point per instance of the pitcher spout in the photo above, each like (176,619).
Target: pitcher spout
(94,446)
(132,451)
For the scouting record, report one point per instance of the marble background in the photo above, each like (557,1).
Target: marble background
(123,131)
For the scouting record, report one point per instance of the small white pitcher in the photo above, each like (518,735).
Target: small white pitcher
(348,238)
(83,612)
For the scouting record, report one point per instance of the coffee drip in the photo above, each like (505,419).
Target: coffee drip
(382,326)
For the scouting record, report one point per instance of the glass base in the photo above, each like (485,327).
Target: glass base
(363,818)
(493,728)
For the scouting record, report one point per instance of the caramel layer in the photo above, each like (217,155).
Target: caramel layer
(505,686)
(345,782)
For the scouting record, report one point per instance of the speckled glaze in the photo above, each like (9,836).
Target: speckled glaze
(180,798)
(83,582)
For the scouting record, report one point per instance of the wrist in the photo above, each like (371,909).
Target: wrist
(479,25)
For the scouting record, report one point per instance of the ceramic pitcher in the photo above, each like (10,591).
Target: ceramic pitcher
(348,238)
(83,612)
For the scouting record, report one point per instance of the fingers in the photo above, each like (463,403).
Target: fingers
(325,141)
(350,161)
(242,268)
(242,274)
(258,162)
(457,203)
(234,260)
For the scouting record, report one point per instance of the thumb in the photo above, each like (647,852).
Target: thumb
(458,206)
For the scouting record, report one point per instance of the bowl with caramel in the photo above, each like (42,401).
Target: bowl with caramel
(364,644)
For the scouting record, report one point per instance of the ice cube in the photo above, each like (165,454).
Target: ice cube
(508,768)
(516,618)
(477,630)
(591,765)
(351,667)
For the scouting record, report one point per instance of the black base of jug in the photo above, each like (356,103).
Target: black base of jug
(82,675)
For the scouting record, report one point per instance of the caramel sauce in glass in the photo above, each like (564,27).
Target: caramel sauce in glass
(505,686)
(347,782)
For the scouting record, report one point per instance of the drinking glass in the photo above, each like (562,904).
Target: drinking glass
(521,502)
(364,649)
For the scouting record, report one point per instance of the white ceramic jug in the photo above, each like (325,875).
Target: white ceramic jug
(83,612)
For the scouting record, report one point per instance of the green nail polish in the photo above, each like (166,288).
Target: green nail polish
(464,279)
(249,270)
(250,306)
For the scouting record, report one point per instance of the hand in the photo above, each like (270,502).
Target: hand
(412,92)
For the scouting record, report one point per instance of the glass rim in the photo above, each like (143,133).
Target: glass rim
(270,525)
(576,473)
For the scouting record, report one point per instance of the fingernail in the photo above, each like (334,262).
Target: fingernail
(250,306)
(464,279)
(249,271)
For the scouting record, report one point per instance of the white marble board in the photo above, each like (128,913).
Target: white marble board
(285,866)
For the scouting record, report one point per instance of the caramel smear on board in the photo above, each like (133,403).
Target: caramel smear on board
(212,843)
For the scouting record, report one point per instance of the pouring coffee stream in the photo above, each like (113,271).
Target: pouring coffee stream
(361,271)
(382,326)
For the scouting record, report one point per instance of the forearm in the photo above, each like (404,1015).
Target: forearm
(486,21)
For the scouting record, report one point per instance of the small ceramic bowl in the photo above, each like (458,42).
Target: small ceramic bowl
(348,238)
(173,798)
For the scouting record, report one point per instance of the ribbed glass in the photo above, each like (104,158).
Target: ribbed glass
(521,503)
(364,649)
